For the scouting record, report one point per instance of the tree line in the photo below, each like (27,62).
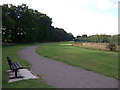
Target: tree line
(103,38)
(21,24)
(112,40)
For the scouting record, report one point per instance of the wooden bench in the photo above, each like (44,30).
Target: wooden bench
(14,66)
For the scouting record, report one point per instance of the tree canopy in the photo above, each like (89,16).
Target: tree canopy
(99,38)
(23,25)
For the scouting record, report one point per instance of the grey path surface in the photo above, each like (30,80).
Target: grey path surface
(60,75)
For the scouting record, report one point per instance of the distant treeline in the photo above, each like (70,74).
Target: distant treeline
(99,38)
(23,25)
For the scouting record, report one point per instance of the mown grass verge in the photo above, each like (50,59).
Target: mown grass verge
(12,51)
(103,62)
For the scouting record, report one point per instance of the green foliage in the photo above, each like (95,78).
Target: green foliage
(84,35)
(23,25)
(112,46)
(115,39)
(99,38)
(103,62)
(94,38)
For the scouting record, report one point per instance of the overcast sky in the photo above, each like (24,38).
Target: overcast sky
(78,16)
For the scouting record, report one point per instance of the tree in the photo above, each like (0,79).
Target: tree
(24,25)
(78,36)
(8,25)
(112,46)
(84,35)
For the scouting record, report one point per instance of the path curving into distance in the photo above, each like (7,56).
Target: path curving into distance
(60,75)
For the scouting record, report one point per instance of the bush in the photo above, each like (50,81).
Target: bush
(112,46)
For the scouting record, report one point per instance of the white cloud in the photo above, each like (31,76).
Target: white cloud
(106,4)
(93,23)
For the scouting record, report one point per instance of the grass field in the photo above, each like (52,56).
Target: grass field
(103,62)
(12,51)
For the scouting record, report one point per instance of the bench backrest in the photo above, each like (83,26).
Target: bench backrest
(9,62)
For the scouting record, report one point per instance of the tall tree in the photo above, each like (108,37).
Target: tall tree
(23,25)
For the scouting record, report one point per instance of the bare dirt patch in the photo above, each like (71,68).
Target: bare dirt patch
(99,46)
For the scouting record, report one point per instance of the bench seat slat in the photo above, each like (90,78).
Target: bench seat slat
(17,65)
(14,67)
(20,66)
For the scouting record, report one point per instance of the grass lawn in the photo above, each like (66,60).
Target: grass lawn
(12,51)
(103,62)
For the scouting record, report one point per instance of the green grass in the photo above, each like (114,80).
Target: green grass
(12,51)
(103,62)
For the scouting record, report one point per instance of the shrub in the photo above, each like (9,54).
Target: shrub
(112,46)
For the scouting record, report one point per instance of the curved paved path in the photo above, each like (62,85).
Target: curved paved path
(60,75)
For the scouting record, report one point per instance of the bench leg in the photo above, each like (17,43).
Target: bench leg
(16,73)
(16,76)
